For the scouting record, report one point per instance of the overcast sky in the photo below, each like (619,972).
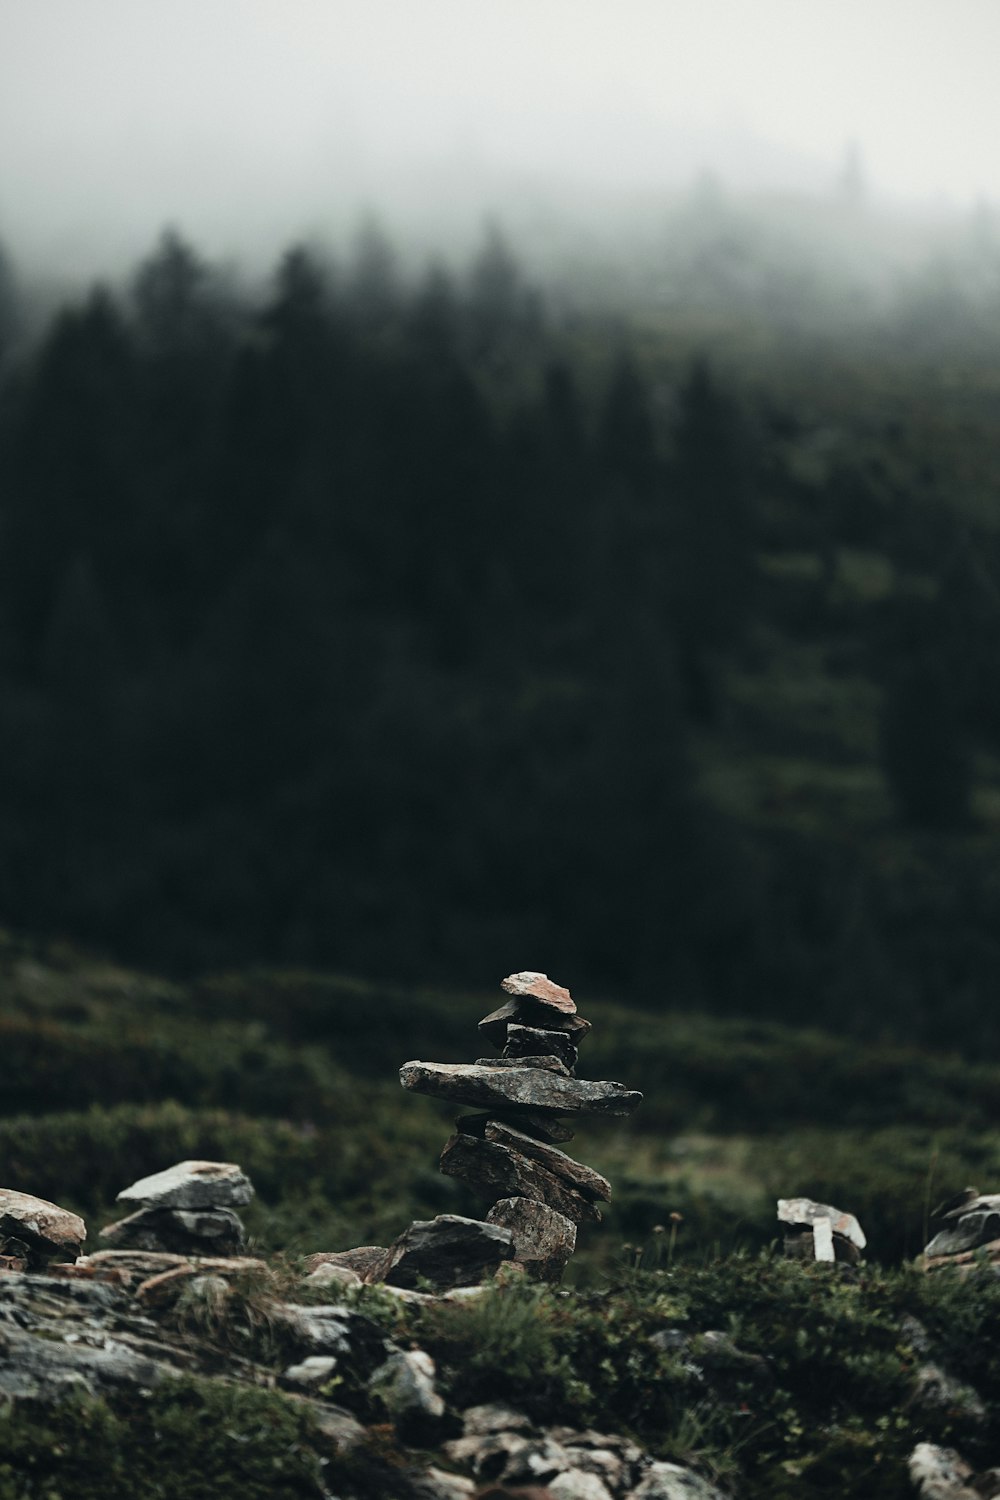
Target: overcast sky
(255,120)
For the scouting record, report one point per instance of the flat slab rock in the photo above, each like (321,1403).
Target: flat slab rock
(539,1127)
(583,1178)
(368,1261)
(527,1011)
(805,1212)
(548,1061)
(526,1088)
(449,1251)
(44,1228)
(178,1231)
(494,1168)
(544,1239)
(192,1184)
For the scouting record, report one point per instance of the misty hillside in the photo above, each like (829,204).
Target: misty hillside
(398,626)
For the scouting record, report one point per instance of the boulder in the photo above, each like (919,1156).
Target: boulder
(968,1232)
(37,1231)
(663,1481)
(544,1239)
(192,1184)
(204,1231)
(493,1416)
(493,1169)
(449,1251)
(518,1088)
(584,1179)
(405,1386)
(350,1338)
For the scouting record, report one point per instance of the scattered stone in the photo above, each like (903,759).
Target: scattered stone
(192,1184)
(310,1373)
(448,1251)
(966,1261)
(939,1395)
(491,1167)
(584,1179)
(436,1484)
(544,1239)
(369,1261)
(495,1416)
(329,1275)
(206,1231)
(36,1231)
(530,1088)
(340,1332)
(578,1484)
(822,1233)
(510,1457)
(941,1474)
(971,1230)
(405,1385)
(337,1424)
(663,1481)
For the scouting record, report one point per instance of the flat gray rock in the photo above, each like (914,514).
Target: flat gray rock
(529,1012)
(44,1229)
(971,1231)
(192,1184)
(449,1251)
(584,1179)
(663,1481)
(497,1169)
(544,1239)
(525,1088)
(178,1231)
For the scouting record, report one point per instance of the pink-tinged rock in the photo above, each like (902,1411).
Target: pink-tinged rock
(805,1212)
(43,1228)
(539,987)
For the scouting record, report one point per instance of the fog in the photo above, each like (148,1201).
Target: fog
(247,123)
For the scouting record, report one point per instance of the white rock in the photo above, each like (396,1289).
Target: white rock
(192,1184)
(316,1370)
(663,1481)
(328,1275)
(576,1484)
(940,1473)
(406,1384)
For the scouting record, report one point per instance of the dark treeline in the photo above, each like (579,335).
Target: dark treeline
(374,626)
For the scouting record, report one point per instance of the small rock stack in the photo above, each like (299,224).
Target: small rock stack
(186,1210)
(967,1232)
(509,1151)
(816,1231)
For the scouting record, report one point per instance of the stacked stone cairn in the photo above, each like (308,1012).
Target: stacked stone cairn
(817,1231)
(509,1149)
(186,1210)
(967,1232)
